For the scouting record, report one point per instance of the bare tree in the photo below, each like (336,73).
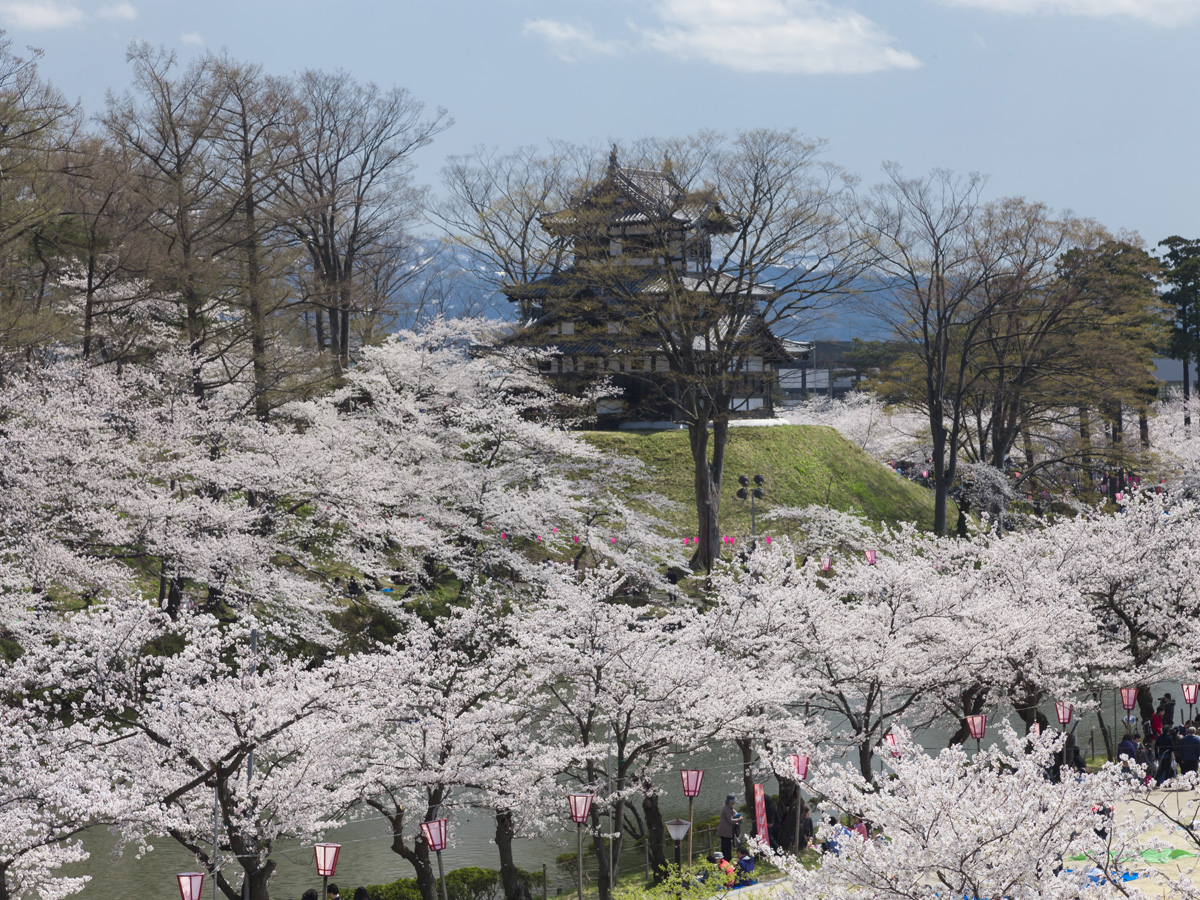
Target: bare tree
(166,126)
(350,189)
(36,123)
(256,119)
(930,265)
(493,206)
(103,241)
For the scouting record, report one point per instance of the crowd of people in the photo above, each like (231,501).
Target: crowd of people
(1164,748)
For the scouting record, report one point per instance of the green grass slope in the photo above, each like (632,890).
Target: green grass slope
(803,465)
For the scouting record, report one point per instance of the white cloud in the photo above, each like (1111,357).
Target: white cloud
(39,14)
(570,42)
(778,36)
(783,36)
(117,11)
(1157,12)
(192,37)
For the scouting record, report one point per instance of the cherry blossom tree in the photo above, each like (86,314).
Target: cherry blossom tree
(886,433)
(53,786)
(987,825)
(616,684)
(198,724)
(436,726)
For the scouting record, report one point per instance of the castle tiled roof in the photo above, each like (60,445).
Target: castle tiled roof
(643,196)
(632,281)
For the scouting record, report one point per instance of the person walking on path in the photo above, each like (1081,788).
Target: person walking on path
(730,817)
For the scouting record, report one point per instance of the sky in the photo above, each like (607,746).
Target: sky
(1086,105)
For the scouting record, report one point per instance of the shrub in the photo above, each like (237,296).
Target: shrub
(469,883)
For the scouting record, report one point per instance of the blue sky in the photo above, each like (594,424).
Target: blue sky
(1088,105)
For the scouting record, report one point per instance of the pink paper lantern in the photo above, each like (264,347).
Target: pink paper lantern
(1189,693)
(577,539)
(612,540)
(437,834)
(327,858)
(891,742)
(1128,698)
(768,540)
(581,806)
(977,725)
(692,779)
(799,765)
(826,563)
(191,885)
(1063,711)
(871,555)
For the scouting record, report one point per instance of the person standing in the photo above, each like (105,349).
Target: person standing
(1188,752)
(730,818)
(1168,710)
(1128,747)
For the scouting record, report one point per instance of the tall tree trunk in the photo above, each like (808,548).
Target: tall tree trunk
(708,499)
(1085,439)
(941,489)
(747,747)
(1187,387)
(254,290)
(656,836)
(603,884)
(417,855)
(1110,742)
(865,757)
(505,832)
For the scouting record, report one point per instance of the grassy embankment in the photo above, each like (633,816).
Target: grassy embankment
(803,465)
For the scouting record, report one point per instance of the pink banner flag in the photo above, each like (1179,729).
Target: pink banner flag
(760,812)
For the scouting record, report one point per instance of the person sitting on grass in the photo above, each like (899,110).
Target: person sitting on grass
(745,868)
(728,872)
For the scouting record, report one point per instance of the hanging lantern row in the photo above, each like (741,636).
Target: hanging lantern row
(727,539)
